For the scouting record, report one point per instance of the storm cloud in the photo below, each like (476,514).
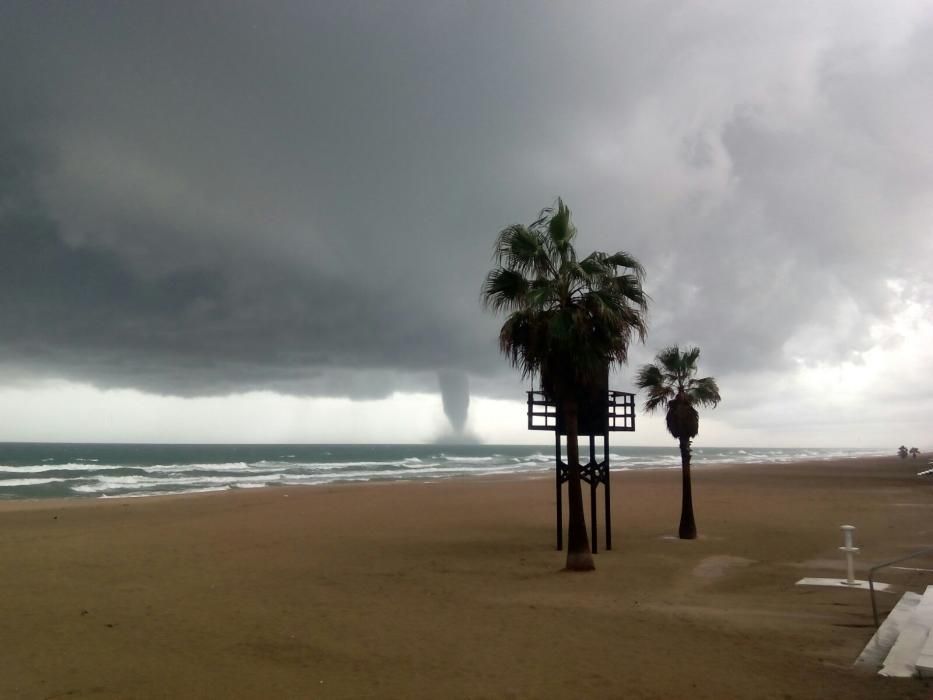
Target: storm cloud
(200,199)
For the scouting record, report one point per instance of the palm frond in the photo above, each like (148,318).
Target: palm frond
(544,216)
(651,378)
(629,286)
(575,274)
(504,289)
(517,341)
(689,359)
(703,392)
(634,320)
(542,294)
(592,266)
(561,232)
(623,259)
(520,248)
(669,361)
(600,302)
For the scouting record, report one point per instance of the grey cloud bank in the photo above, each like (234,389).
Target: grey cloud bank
(202,199)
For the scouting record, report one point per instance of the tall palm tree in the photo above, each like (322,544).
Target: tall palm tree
(568,320)
(671,382)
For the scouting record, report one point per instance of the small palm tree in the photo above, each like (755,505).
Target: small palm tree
(568,320)
(902,452)
(914,452)
(671,383)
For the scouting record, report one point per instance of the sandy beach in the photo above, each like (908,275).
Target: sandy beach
(454,590)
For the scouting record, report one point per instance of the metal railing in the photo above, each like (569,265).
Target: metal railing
(871,577)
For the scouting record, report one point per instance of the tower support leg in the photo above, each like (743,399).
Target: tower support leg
(594,482)
(560,500)
(606,495)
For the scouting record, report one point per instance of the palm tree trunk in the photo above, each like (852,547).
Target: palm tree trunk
(688,527)
(579,556)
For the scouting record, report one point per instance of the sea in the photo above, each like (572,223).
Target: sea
(55,470)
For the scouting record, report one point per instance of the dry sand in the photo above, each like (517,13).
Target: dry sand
(454,590)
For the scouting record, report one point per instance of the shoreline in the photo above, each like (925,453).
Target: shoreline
(453,589)
(11,503)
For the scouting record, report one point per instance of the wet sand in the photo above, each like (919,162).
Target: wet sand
(454,590)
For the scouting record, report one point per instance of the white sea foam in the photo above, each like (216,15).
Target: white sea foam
(412,463)
(115,483)
(9,483)
(205,467)
(84,476)
(39,468)
(466,460)
(143,494)
(529,466)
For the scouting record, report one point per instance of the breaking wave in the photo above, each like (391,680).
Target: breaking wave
(107,471)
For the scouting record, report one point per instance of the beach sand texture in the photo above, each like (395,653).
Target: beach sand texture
(454,590)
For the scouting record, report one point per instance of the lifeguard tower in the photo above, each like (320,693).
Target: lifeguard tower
(600,412)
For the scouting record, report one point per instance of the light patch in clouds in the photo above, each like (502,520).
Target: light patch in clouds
(903,353)
(879,398)
(68,412)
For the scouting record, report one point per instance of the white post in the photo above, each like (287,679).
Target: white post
(850,552)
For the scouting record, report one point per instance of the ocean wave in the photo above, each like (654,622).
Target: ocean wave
(72,466)
(143,494)
(467,460)
(199,466)
(410,462)
(101,484)
(118,483)
(530,466)
(146,471)
(13,483)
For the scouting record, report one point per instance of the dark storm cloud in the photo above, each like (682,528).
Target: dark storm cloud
(209,327)
(201,199)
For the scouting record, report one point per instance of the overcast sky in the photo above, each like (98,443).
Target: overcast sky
(240,221)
